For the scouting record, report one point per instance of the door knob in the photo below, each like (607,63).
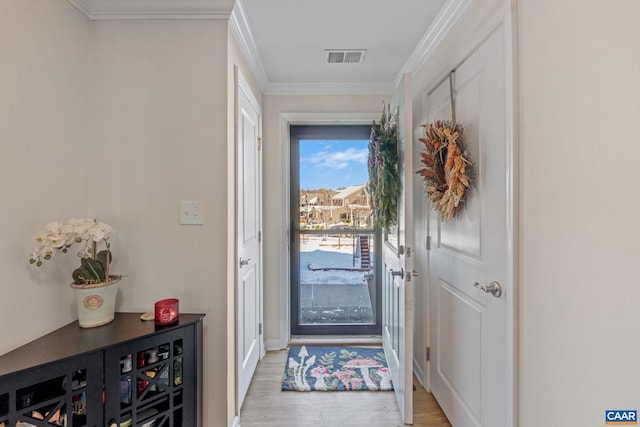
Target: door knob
(399,274)
(493,288)
(244,262)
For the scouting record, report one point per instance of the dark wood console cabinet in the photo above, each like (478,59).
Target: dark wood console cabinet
(126,373)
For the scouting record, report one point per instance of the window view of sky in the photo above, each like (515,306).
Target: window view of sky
(333,164)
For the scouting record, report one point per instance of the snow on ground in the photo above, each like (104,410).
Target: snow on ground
(321,259)
(317,251)
(332,296)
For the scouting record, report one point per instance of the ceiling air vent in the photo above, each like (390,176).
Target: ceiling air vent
(345,56)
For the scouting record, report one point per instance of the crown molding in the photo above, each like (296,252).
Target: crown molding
(357,88)
(240,29)
(449,15)
(81,7)
(123,13)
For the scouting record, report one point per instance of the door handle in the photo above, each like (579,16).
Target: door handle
(399,274)
(244,262)
(493,288)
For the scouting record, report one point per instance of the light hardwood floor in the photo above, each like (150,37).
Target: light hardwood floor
(267,405)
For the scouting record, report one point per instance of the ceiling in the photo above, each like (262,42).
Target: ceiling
(292,35)
(285,40)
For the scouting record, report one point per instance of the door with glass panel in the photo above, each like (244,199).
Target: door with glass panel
(334,245)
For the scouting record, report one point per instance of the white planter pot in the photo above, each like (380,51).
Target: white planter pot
(96,303)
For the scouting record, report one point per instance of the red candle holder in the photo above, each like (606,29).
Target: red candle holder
(166,312)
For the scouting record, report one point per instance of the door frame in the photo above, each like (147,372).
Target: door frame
(286,120)
(504,14)
(335,132)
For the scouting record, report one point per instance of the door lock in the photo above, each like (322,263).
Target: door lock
(493,288)
(399,274)
(244,262)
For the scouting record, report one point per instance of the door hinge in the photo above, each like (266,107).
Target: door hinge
(408,252)
(259,143)
(428,243)
(428,353)
(260,236)
(259,328)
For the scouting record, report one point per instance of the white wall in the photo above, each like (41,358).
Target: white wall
(580,125)
(275,195)
(120,120)
(44,160)
(160,130)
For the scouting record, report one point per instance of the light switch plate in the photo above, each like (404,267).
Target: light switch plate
(191,212)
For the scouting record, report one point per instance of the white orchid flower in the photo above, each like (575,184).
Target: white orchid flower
(53,228)
(76,222)
(40,237)
(60,237)
(82,231)
(96,234)
(69,239)
(47,250)
(99,231)
(34,253)
(57,241)
(106,228)
(67,229)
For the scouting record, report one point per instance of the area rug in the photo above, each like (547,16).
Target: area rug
(316,368)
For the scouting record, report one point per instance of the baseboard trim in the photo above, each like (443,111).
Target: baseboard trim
(418,372)
(275,344)
(336,340)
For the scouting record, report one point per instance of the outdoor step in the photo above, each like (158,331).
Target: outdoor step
(365,259)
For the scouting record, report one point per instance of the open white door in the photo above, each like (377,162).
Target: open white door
(469,256)
(249,245)
(397,293)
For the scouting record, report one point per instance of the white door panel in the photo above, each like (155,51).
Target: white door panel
(249,223)
(469,327)
(459,323)
(397,293)
(247,293)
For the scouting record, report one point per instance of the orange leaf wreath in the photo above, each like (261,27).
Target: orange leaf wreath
(446,169)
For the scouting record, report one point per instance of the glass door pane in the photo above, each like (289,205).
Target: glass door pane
(336,278)
(333,243)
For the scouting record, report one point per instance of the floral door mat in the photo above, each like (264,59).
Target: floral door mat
(316,368)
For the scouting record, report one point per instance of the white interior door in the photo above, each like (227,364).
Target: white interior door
(469,344)
(397,293)
(249,223)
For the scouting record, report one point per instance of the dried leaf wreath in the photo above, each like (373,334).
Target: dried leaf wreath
(384,183)
(446,170)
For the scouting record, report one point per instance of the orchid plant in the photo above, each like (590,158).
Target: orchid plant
(58,237)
